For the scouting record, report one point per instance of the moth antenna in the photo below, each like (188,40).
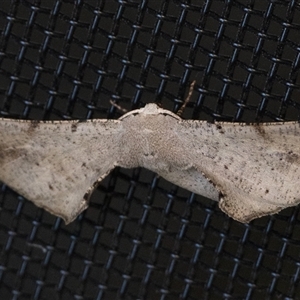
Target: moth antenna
(118,107)
(187,99)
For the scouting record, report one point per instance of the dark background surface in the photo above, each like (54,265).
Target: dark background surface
(142,237)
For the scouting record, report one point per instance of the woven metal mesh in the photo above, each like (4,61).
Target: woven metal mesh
(142,237)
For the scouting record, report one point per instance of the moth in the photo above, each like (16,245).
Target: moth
(252,170)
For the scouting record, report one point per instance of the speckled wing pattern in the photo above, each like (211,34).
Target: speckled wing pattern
(252,170)
(57,164)
(256,168)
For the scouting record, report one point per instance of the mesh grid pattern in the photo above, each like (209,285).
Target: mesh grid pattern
(142,237)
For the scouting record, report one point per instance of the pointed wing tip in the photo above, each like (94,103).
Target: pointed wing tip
(66,214)
(243,211)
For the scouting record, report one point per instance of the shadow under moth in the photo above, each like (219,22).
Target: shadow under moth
(251,170)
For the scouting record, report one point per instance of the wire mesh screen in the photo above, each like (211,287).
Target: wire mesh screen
(142,237)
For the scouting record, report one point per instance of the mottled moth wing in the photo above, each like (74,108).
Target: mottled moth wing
(256,168)
(53,163)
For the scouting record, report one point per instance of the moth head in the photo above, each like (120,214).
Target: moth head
(154,109)
(151,109)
